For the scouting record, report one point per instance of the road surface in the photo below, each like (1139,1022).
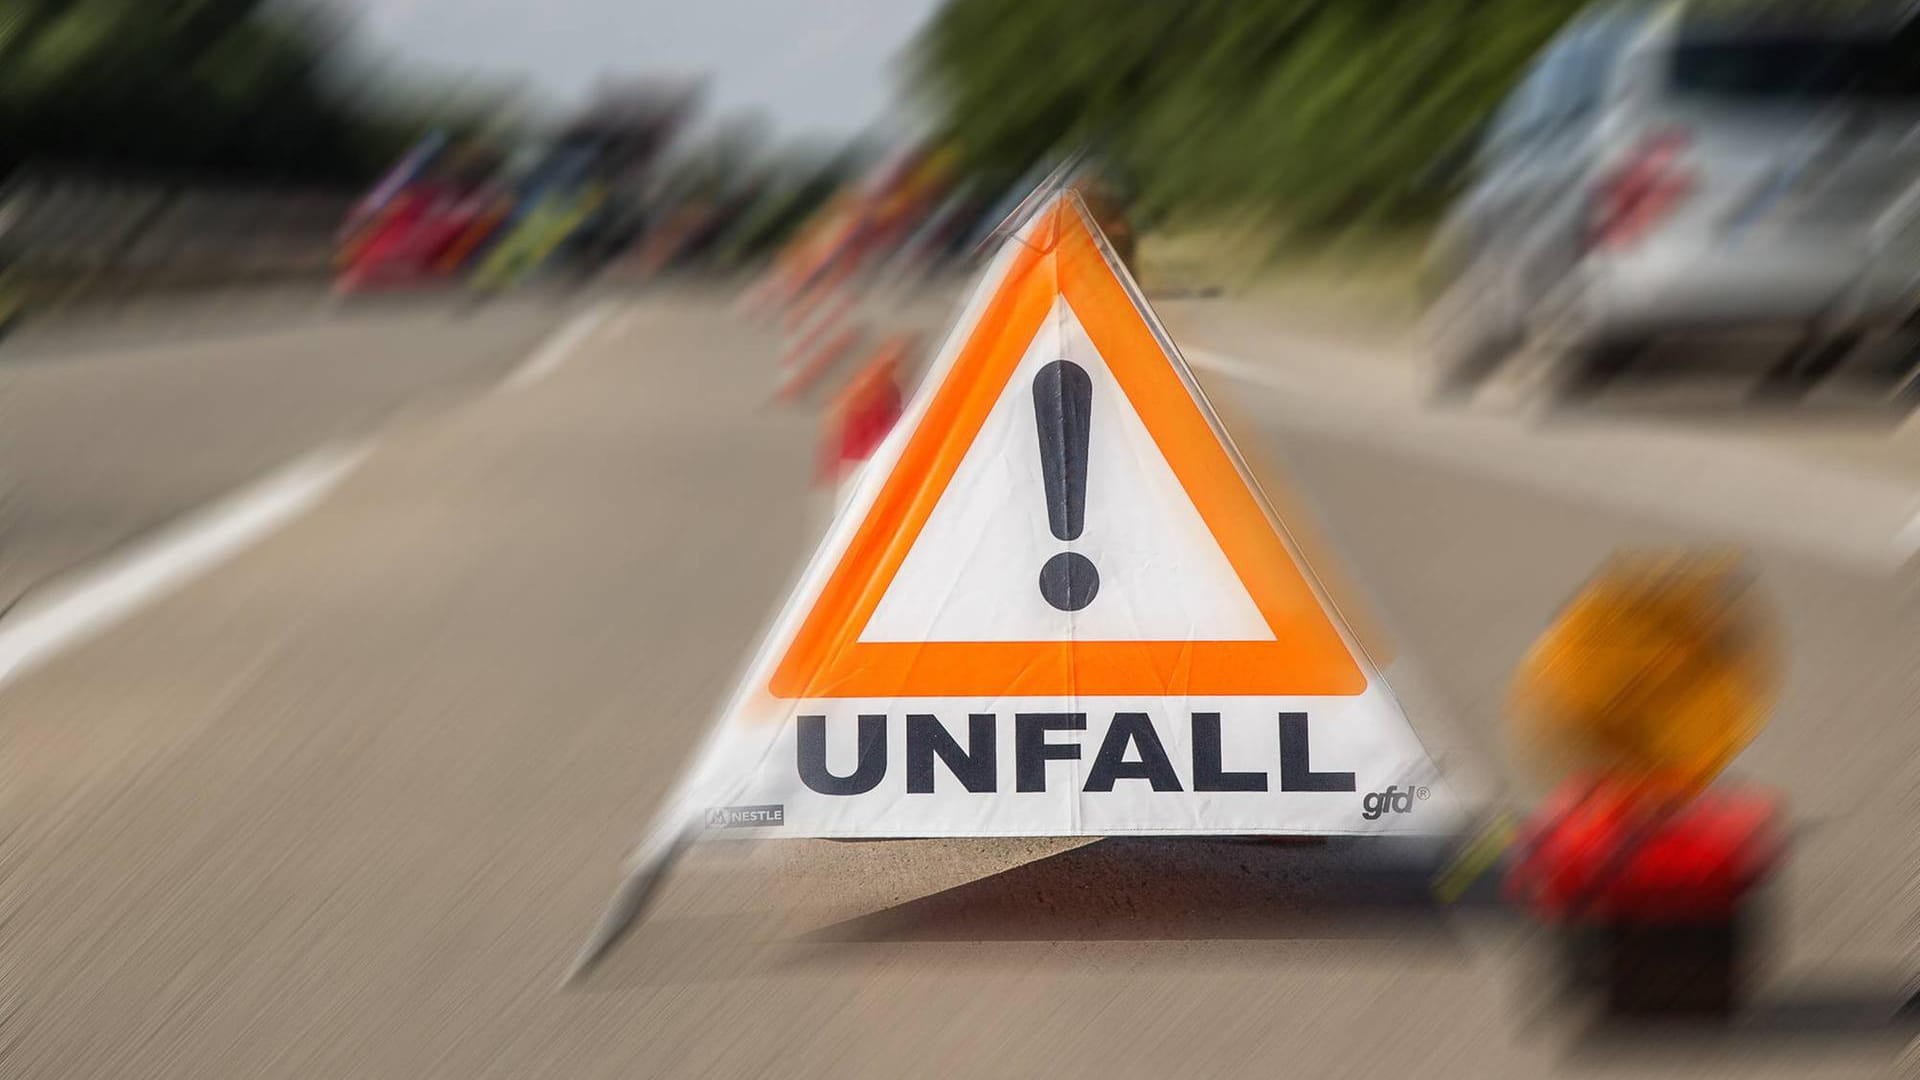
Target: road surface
(112,426)
(345,802)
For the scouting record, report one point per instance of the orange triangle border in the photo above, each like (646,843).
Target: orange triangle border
(1061,256)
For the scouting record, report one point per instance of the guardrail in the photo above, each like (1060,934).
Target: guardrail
(63,232)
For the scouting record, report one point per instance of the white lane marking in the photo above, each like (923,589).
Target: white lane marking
(558,346)
(1856,521)
(68,612)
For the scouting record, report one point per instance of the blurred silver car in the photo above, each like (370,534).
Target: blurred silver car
(1679,173)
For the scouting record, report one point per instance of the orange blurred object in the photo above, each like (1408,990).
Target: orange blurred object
(1657,674)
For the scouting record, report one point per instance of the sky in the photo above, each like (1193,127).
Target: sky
(817,67)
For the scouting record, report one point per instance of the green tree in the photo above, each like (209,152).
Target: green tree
(1323,111)
(232,87)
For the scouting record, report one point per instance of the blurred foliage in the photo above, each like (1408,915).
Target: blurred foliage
(1324,112)
(225,87)
(764,192)
(781,201)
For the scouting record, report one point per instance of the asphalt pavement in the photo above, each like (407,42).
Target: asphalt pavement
(114,422)
(345,802)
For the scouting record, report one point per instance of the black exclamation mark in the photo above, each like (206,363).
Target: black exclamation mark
(1063,411)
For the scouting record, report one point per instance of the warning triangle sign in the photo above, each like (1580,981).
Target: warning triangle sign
(1065,517)
(1057,603)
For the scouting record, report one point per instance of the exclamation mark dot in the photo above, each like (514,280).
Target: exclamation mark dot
(1063,411)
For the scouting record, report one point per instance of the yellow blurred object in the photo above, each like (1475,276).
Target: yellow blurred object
(1660,670)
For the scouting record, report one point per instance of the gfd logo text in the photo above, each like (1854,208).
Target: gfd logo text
(1391,801)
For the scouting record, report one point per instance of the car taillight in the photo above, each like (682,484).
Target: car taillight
(1640,191)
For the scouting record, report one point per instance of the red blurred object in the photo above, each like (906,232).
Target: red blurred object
(1644,189)
(406,241)
(1603,851)
(865,411)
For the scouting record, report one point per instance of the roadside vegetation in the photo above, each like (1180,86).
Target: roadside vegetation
(1294,134)
(1320,114)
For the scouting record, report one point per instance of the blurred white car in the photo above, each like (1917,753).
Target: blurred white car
(1686,173)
